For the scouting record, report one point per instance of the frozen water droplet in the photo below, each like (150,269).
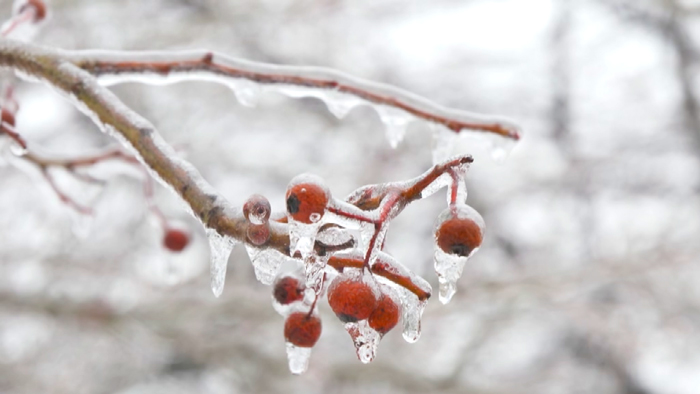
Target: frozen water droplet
(411,312)
(333,235)
(443,143)
(247,92)
(221,247)
(395,121)
(496,146)
(501,148)
(365,339)
(302,237)
(17,149)
(257,209)
(448,268)
(315,217)
(340,104)
(298,358)
(266,263)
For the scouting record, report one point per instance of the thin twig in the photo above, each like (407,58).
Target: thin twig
(171,67)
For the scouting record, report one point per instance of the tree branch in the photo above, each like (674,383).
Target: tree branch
(330,85)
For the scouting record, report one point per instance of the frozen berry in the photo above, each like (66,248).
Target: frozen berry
(288,290)
(39,9)
(7,117)
(302,329)
(459,231)
(258,234)
(176,240)
(351,299)
(257,209)
(307,198)
(385,316)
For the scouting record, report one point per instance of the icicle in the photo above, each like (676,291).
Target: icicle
(221,247)
(340,104)
(302,237)
(266,263)
(395,121)
(442,181)
(448,268)
(365,339)
(247,92)
(298,358)
(411,313)
(443,143)
(500,147)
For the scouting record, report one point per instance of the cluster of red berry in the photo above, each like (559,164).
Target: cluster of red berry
(354,292)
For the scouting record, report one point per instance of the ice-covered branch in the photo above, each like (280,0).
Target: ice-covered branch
(116,119)
(326,239)
(341,92)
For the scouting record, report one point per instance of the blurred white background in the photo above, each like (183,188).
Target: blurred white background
(589,275)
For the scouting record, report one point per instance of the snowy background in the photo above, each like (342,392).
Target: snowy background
(588,280)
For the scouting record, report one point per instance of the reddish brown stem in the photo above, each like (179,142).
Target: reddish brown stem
(64,197)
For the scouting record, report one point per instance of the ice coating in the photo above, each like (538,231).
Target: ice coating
(340,91)
(292,268)
(365,339)
(457,188)
(395,123)
(314,269)
(378,241)
(387,269)
(220,247)
(298,358)
(334,235)
(266,262)
(443,180)
(411,314)
(247,92)
(302,237)
(449,266)
(443,143)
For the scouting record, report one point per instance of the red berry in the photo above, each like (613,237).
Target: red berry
(302,329)
(39,9)
(385,316)
(351,299)
(257,209)
(7,117)
(288,290)
(460,230)
(176,240)
(307,198)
